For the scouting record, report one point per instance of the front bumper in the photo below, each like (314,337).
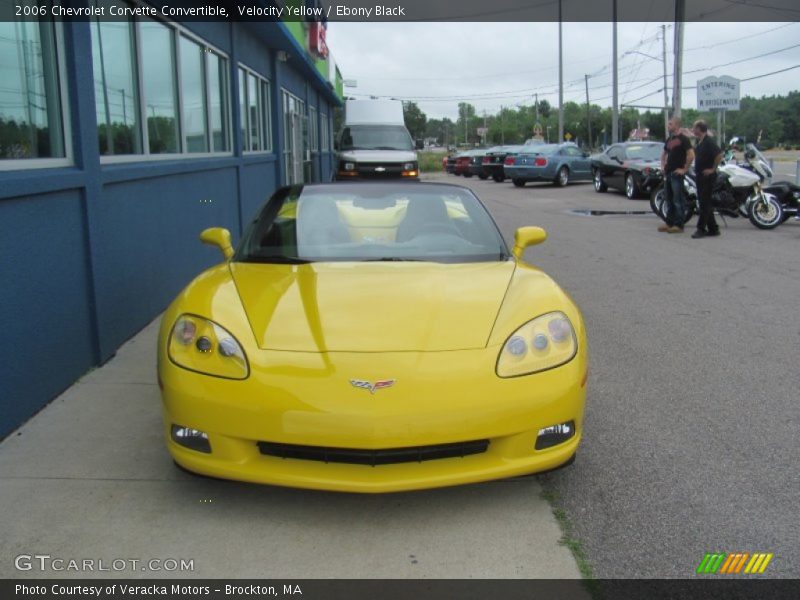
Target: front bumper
(306,399)
(648,183)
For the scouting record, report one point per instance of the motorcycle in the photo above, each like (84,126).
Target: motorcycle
(658,197)
(787,194)
(737,192)
(780,199)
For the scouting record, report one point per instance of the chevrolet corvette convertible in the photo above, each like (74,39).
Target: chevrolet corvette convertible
(372,338)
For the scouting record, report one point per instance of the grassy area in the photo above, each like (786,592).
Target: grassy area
(431,162)
(569,540)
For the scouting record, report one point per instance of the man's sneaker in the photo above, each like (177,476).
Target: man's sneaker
(714,233)
(675,229)
(663,228)
(699,234)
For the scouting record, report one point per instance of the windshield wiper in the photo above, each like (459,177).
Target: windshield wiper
(390,148)
(276,259)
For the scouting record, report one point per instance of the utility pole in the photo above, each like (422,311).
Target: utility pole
(680,12)
(615,83)
(561,79)
(588,111)
(502,126)
(536,106)
(666,96)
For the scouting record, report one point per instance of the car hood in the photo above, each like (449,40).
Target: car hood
(378,156)
(372,307)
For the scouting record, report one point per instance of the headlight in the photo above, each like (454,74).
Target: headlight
(410,166)
(349,166)
(544,343)
(200,345)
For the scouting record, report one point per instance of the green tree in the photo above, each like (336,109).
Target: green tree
(414,119)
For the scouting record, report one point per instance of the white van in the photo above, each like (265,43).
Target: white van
(374,143)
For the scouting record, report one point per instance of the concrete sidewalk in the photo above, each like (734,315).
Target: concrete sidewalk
(89,478)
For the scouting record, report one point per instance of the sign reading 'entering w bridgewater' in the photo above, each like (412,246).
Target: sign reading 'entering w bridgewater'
(734,563)
(718,93)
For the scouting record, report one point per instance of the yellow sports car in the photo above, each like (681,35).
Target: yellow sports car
(372,338)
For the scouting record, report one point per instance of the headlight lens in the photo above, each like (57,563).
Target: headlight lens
(200,345)
(410,166)
(349,166)
(544,343)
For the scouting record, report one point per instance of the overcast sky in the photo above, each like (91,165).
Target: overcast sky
(505,64)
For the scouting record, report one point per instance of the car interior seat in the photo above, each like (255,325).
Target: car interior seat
(424,213)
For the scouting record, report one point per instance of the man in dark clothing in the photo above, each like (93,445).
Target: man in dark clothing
(675,161)
(707,158)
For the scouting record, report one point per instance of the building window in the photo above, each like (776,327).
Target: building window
(218,101)
(158,90)
(193,96)
(158,76)
(31,124)
(254,102)
(295,138)
(116,92)
(313,129)
(326,138)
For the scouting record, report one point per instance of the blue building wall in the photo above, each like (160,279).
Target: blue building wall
(92,253)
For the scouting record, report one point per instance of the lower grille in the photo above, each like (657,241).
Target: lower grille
(386,456)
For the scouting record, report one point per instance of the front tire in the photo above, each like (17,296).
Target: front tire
(599,185)
(518,182)
(766,212)
(498,178)
(483,177)
(562,179)
(631,189)
(659,206)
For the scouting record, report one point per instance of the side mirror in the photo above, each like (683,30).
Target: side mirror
(420,144)
(527,236)
(220,237)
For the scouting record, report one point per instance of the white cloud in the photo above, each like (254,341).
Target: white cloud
(494,64)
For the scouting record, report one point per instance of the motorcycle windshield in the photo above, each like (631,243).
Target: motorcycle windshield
(759,161)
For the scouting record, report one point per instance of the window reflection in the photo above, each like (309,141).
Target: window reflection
(253,97)
(30,101)
(193,96)
(116,93)
(158,70)
(217,84)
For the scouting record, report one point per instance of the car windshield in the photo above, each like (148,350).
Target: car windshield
(644,152)
(372,222)
(376,137)
(546,149)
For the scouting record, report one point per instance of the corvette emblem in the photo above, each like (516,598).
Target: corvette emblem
(372,387)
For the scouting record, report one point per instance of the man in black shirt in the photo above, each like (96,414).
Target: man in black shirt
(707,158)
(675,161)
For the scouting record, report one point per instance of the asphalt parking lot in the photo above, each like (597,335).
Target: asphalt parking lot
(691,430)
(690,443)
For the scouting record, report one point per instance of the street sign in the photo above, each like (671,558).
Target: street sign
(482,131)
(718,93)
(568,136)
